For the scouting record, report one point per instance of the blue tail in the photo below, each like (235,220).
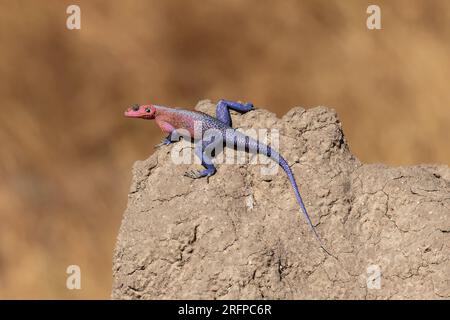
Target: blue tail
(283,164)
(241,141)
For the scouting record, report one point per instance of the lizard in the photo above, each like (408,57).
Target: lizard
(173,120)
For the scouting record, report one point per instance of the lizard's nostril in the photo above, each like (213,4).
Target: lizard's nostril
(135,107)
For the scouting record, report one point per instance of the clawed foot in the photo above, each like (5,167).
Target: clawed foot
(199,174)
(250,106)
(194,174)
(164,142)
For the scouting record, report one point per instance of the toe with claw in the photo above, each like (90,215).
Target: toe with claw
(164,142)
(193,174)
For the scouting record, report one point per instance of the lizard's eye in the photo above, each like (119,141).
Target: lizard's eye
(148,110)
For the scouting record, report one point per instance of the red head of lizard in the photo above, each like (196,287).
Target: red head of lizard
(143,112)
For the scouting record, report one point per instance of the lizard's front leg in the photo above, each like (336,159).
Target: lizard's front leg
(171,138)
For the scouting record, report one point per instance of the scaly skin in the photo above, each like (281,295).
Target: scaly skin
(173,121)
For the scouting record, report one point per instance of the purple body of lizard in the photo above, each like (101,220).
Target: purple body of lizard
(172,121)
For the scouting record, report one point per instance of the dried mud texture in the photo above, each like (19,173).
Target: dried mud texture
(241,235)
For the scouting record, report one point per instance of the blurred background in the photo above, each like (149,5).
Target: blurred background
(67,150)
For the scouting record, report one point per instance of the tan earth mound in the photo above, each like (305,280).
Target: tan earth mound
(241,235)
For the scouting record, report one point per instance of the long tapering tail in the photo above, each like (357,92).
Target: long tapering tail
(269,152)
(244,142)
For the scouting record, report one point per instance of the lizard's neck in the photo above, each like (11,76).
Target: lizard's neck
(162,111)
(168,119)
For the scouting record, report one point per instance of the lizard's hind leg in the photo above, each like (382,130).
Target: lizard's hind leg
(224,106)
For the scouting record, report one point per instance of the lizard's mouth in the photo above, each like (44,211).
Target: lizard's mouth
(132,114)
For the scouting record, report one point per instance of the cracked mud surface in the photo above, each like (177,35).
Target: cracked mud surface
(241,236)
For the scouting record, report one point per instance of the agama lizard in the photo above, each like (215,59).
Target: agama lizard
(170,120)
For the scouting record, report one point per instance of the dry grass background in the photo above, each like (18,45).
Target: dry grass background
(66,150)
